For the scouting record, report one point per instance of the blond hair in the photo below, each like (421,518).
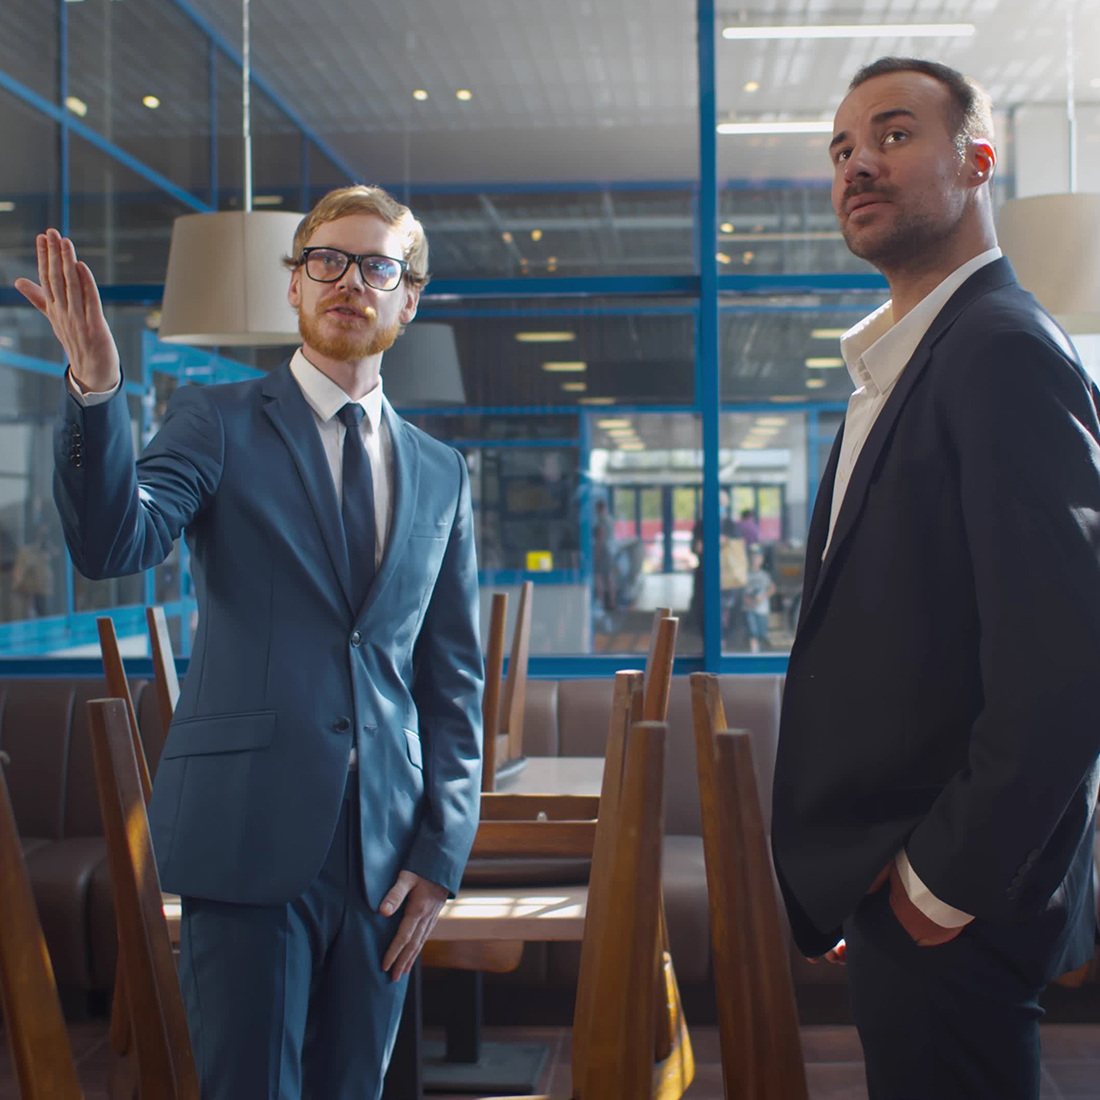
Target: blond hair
(361,199)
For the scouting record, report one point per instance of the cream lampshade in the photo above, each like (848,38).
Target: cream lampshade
(226,283)
(1053,242)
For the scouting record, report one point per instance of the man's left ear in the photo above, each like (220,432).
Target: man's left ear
(412,300)
(982,160)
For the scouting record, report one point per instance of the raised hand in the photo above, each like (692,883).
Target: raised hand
(68,297)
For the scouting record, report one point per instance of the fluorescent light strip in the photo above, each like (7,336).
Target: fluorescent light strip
(827,333)
(568,367)
(865,30)
(775,127)
(546,337)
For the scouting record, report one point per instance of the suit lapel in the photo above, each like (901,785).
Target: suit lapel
(819,525)
(295,422)
(994,275)
(406,488)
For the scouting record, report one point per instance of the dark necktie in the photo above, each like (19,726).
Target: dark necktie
(358,505)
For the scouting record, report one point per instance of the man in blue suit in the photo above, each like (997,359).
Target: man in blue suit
(317,795)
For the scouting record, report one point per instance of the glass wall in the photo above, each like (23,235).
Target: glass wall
(645,400)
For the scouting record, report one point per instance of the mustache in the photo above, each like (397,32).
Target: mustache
(350,302)
(855,189)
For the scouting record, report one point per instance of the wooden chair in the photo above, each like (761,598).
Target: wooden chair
(757,1017)
(37,1037)
(122,1082)
(160,1040)
(503,722)
(615,1018)
(164,666)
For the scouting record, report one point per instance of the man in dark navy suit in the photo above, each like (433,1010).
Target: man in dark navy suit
(318,792)
(936,779)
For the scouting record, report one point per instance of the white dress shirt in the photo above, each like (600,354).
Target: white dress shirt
(876,352)
(326,399)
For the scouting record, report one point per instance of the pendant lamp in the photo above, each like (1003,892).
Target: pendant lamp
(226,283)
(1053,241)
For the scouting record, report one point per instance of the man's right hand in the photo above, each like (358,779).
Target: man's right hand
(68,297)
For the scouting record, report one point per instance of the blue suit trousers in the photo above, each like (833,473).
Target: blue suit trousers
(290,1002)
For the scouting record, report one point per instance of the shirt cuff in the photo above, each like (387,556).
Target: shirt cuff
(946,916)
(86,397)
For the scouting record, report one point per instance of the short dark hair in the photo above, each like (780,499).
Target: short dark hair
(971,117)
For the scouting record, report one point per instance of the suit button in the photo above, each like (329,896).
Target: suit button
(356,638)
(342,724)
(77,460)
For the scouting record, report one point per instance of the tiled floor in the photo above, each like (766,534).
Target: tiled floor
(1071,1062)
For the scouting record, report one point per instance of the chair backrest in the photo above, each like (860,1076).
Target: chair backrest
(515,688)
(757,1018)
(615,1026)
(165,1063)
(164,666)
(119,688)
(658,666)
(490,700)
(32,1015)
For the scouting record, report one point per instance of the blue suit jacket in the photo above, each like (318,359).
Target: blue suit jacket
(286,675)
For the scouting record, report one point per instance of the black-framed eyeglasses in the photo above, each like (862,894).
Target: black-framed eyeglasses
(327,265)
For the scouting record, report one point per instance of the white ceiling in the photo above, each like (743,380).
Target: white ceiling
(606,89)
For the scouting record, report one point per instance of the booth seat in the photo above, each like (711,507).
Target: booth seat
(43,729)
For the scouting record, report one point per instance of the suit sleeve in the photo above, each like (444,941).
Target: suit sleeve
(120,517)
(448,678)
(1022,425)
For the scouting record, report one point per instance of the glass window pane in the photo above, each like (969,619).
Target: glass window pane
(28,47)
(141,71)
(30,187)
(766,492)
(121,224)
(541,352)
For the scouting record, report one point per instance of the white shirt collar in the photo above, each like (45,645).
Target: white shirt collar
(876,350)
(326,398)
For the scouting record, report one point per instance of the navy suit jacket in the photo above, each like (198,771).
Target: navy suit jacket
(943,683)
(286,675)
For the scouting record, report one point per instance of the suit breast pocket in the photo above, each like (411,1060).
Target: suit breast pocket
(438,529)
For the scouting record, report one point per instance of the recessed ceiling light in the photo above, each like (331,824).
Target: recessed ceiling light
(598,400)
(77,106)
(815,383)
(563,367)
(865,30)
(536,234)
(605,424)
(827,333)
(752,86)
(722,257)
(151,102)
(752,445)
(771,421)
(622,433)
(639,446)
(545,337)
(727,227)
(747,257)
(464,94)
(828,361)
(267,200)
(420,94)
(808,126)
(6,207)
(574,387)
(506,237)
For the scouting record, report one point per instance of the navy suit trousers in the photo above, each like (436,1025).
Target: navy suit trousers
(290,1002)
(953,1022)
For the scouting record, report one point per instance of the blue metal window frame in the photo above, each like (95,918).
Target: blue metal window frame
(703,290)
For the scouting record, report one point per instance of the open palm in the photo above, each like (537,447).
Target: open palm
(67,295)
